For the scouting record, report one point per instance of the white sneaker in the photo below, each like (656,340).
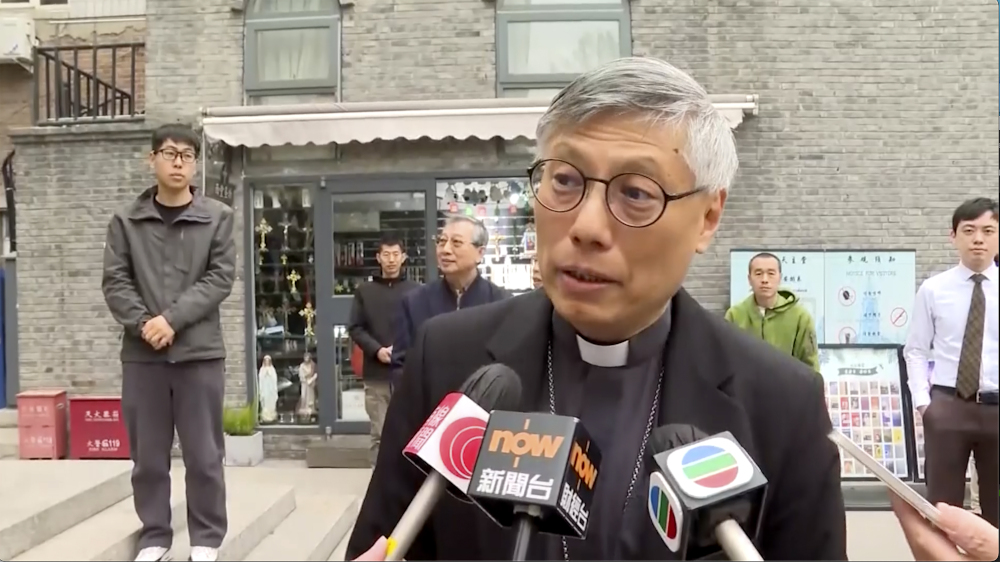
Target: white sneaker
(153,554)
(204,554)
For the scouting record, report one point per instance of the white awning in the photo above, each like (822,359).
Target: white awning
(300,125)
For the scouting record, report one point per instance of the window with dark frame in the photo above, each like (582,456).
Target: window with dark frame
(292,47)
(542,45)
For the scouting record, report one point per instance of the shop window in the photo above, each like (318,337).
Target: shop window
(285,304)
(504,207)
(542,45)
(360,220)
(292,47)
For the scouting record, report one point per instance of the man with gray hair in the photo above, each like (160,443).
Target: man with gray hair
(459,248)
(633,169)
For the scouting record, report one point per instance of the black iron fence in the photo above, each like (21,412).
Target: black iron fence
(93,83)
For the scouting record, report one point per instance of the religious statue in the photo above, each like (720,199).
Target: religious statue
(267,389)
(307,385)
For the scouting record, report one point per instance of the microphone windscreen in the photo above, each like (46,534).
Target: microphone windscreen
(675,435)
(494,387)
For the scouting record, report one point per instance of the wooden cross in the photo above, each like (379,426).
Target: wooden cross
(309,313)
(263,228)
(293,278)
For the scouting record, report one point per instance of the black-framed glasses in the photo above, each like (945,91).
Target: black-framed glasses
(170,155)
(634,200)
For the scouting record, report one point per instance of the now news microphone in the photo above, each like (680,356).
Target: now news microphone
(705,495)
(536,472)
(446,446)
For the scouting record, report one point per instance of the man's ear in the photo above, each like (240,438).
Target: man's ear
(711,220)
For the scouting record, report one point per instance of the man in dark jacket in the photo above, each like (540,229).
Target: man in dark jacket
(634,165)
(169,262)
(459,247)
(372,315)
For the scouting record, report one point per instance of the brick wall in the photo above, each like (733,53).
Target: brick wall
(418,49)
(876,118)
(195,54)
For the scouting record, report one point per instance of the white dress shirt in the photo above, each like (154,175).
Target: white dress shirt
(940,312)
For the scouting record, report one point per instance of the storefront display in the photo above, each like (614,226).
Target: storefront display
(504,207)
(867,403)
(284,293)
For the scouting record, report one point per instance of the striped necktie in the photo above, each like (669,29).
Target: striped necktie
(970,362)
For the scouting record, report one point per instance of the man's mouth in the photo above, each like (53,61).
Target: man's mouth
(586,275)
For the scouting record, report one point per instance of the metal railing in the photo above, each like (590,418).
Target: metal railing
(93,83)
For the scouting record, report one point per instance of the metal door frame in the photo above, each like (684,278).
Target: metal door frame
(335,310)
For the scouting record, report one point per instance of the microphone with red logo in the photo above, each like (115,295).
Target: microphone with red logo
(536,472)
(445,448)
(705,495)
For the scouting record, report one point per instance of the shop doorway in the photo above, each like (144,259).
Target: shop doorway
(349,224)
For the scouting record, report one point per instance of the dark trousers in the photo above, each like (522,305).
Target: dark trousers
(953,429)
(156,399)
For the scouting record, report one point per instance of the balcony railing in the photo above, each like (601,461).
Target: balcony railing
(94,83)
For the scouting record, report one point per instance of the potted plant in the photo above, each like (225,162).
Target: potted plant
(244,443)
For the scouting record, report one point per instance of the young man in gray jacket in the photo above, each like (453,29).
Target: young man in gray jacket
(169,262)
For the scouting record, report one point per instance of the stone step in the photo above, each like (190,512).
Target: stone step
(8,442)
(340,451)
(256,508)
(341,553)
(311,533)
(38,501)
(109,536)
(8,417)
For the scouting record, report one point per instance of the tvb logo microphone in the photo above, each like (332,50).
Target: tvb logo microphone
(700,486)
(449,441)
(541,461)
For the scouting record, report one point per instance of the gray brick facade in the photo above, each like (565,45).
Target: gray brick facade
(876,120)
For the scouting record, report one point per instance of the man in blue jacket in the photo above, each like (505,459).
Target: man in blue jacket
(460,247)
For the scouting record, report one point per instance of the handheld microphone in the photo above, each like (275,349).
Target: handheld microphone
(537,472)
(705,495)
(445,448)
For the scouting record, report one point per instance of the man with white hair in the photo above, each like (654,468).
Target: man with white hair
(633,169)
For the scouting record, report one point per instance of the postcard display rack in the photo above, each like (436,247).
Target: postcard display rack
(868,402)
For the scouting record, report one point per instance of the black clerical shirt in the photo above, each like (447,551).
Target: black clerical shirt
(612,390)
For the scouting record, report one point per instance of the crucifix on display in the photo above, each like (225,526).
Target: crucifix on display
(263,228)
(293,278)
(309,314)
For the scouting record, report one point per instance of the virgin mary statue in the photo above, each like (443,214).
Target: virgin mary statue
(267,387)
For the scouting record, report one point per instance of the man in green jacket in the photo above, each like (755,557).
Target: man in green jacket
(775,315)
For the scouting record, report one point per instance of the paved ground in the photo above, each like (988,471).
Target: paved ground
(872,536)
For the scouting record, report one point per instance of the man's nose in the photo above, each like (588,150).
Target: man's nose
(592,226)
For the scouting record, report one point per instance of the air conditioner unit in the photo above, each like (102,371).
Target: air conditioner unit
(17,38)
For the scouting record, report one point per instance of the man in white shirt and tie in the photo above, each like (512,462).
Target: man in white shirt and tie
(955,325)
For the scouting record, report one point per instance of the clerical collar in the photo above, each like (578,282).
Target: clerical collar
(642,347)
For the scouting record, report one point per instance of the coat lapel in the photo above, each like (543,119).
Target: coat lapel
(696,391)
(697,376)
(521,342)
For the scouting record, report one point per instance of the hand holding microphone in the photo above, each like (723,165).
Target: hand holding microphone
(705,495)
(446,447)
(536,472)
